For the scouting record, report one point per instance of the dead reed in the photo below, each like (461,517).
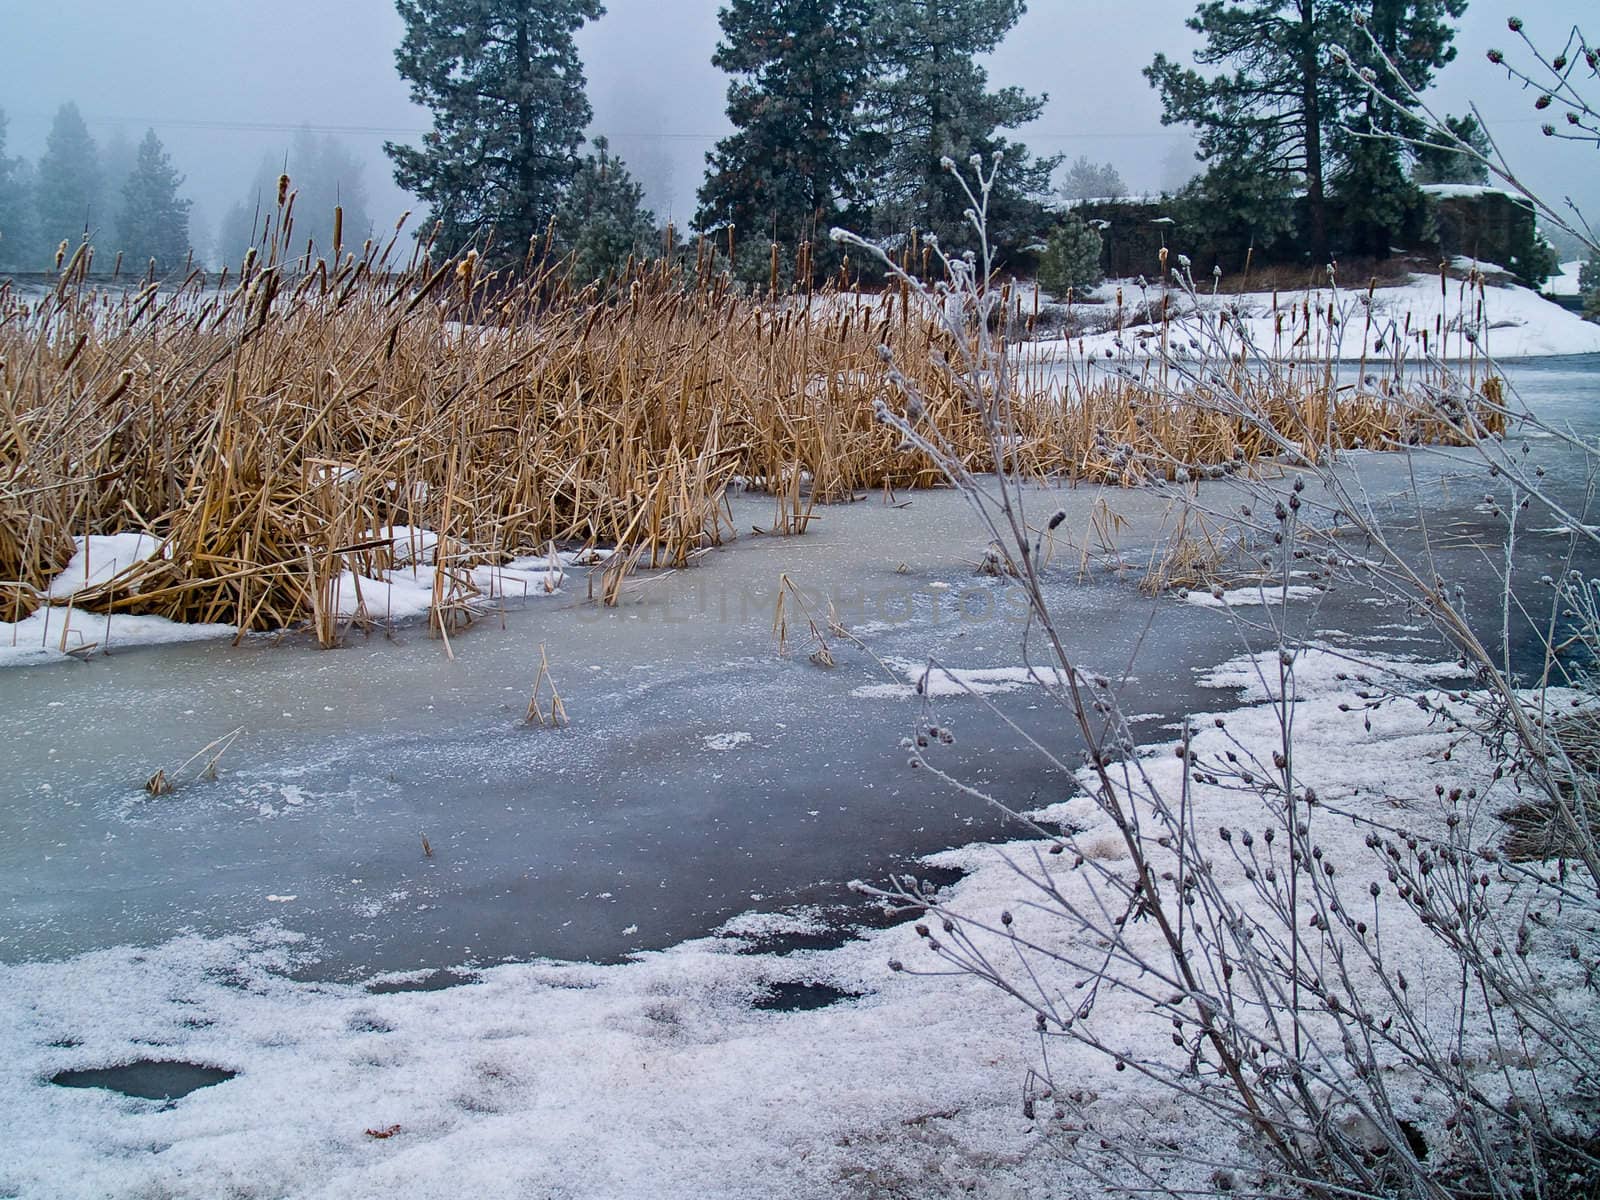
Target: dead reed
(270,426)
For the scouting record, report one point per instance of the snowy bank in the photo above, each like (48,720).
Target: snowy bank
(1565,281)
(671,1075)
(1423,317)
(58,630)
(59,633)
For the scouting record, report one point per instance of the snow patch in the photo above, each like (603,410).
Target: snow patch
(99,559)
(1243,597)
(58,633)
(941,681)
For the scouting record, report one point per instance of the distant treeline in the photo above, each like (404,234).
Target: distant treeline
(126,201)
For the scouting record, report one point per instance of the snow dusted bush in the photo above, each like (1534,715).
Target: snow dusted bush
(1341,981)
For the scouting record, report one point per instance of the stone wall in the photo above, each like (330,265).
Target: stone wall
(1481,223)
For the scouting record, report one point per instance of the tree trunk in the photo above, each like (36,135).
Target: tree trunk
(525,148)
(936,181)
(1311,112)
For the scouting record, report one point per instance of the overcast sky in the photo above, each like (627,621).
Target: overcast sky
(225,81)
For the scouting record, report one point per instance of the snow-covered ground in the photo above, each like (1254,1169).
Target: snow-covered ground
(1421,317)
(661,1078)
(1565,281)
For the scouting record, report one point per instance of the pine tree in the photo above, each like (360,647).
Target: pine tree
(1277,105)
(1086,180)
(154,218)
(118,158)
(793,168)
(325,175)
(1438,163)
(602,221)
(240,227)
(931,102)
(506,88)
(66,188)
(18,247)
(1071,258)
(1378,201)
(1589,275)
(1235,212)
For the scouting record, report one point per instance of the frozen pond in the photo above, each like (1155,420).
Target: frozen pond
(702,775)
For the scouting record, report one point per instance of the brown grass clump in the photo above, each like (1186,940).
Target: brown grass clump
(269,427)
(1535,832)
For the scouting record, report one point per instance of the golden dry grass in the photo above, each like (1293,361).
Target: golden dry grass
(265,426)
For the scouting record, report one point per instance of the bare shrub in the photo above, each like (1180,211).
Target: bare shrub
(1350,999)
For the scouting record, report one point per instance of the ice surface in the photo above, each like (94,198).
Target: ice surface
(1244,597)
(237,924)
(659,1078)
(942,681)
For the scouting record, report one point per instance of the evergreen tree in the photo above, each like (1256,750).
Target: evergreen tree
(506,88)
(931,102)
(66,189)
(1377,198)
(1279,103)
(1086,180)
(1589,275)
(1071,258)
(325,175)
(602,221)
(239,228)
(793,168)
(154,218)
(118,157)
(1233,212)
(1437,163)
(18,247)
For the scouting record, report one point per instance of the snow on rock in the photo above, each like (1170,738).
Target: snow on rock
(660,1078)
(1468,190)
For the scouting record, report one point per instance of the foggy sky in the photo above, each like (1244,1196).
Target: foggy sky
(225,81)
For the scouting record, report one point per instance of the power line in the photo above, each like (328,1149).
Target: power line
(413,131)
(635,135)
